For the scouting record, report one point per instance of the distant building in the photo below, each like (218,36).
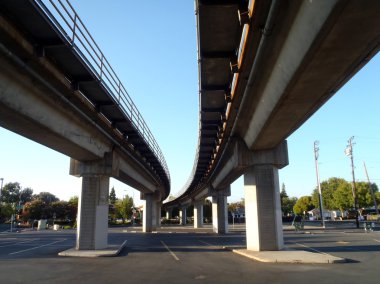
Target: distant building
(327,214)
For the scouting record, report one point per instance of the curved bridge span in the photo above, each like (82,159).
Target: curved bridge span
(265,67)
(58,89)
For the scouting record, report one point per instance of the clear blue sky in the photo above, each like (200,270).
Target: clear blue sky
(152,47)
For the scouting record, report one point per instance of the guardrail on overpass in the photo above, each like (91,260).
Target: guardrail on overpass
(68,23)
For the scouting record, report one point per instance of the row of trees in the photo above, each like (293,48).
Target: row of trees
(337,195)
(12,193)
(44,205)
(28,206)
(64,211)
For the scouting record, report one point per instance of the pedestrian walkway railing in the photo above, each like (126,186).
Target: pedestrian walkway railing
(63,16)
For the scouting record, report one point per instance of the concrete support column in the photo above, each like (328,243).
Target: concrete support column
(92,221)
(219,225)
(92,232)
(220,212)
(169,213)
(263,208)
(147,213)
(182,215)
(158,214)
(152,211)
(154,215)
(198,214)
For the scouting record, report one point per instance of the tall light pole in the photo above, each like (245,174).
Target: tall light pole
(1,190)
(316,155)
(350,153)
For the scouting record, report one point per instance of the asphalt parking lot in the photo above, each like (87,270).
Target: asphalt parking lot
(183,255)
(34,244)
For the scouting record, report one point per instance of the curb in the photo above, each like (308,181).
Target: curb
(290,256)
(108,252)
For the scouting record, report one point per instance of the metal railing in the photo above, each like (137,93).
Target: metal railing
(68,23)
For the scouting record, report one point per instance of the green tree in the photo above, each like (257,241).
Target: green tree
(337,194)
(74,201)
(46,197)
(283,193)
(235,205)
(287,203)
(123,208)
(303,204)
(73,208)
(328,188)
(6,211)
(112,197)
(377,197)
(11,193)
(26,195)
(363,192)
(343,198)
(60,209)
(34,210)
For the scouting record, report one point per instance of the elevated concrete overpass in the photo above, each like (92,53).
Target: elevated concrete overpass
(58,89)
(265,67)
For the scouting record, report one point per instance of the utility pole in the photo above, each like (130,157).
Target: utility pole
(316,155)
(371,189)
(349,152)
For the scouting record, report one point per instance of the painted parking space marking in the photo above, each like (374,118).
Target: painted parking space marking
(170,251)
(17,243)
(29,249)
(318,251)
(206,243)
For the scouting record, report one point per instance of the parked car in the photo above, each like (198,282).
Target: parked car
(369,214)
(351,214)
(373,217)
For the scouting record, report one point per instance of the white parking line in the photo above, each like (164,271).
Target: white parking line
(376,240)
(310,248)
(172,253)
(203,242)
(15,244)
(37,247)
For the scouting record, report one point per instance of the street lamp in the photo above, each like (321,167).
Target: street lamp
(316,155)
